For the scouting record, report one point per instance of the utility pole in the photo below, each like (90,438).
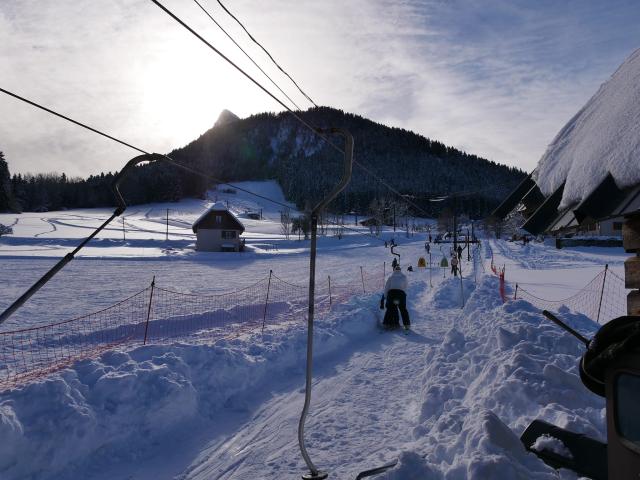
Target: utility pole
(455,224)
(394,217)
(124,237)
(314,473)
(167,234)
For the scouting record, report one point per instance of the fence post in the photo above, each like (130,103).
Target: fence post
(515,295)
(146,327)
(384,274)
(266,301)
(461,289)
(604,280)
(362,276)
(430,271)
(330,299)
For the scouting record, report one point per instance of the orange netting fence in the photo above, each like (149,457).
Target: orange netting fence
(159,315)
(602,299)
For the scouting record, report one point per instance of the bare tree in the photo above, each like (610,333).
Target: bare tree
(285,223)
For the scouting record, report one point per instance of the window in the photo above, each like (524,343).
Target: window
(627,407)
(218,218)
(228,234)
(617,226)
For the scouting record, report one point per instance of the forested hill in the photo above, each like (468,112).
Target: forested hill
(277,146)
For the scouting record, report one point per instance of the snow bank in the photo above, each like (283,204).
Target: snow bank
(497,369)
(118,408)
(604,136)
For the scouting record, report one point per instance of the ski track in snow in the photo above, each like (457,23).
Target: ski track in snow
(363,410)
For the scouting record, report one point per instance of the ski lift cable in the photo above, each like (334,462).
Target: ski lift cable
(265,51)
(281,103)
(165,157)
(245,53)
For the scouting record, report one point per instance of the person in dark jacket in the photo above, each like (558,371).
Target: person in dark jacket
(459,252)
(454,265)
(396,300)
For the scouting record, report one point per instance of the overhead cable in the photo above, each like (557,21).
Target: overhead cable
(280,102)
(265,51)
(167,158)
(246,54)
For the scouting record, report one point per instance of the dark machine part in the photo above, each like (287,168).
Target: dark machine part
(610,368)
(121,207)
(588,456)
(377,471)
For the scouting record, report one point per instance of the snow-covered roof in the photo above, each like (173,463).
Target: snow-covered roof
(603,137)
(217,207)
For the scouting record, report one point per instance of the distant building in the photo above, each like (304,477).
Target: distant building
(218,230)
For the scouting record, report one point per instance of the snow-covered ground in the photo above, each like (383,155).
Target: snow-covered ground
(449,399)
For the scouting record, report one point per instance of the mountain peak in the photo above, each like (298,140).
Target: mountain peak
(225,118)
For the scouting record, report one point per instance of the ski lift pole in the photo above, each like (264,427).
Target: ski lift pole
(121,207)
(314,473)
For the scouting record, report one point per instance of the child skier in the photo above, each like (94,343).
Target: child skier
(454,265)
(395,293)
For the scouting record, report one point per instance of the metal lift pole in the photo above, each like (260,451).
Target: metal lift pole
(69,256)
(314,473)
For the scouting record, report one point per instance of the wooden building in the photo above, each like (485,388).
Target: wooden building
(218,230)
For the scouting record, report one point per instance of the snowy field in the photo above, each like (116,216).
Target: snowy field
(449,399)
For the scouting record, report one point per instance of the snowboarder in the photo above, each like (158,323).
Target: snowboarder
(459,252)
(410,268)
(396,299)
(454,265)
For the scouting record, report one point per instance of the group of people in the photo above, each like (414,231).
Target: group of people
(394,299)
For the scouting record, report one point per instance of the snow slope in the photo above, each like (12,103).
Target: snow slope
(603,137)
(449,400)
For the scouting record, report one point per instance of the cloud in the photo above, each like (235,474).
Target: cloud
(497,78)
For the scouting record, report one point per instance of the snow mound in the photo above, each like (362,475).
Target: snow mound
(119,407)
(603,137)
(551,444)
(499,368)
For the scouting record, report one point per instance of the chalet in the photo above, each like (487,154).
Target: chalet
(218,230)
(601,213)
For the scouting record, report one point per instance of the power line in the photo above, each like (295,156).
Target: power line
(246,54)
(265,51)
(166,157)
(72,120)
(280,102)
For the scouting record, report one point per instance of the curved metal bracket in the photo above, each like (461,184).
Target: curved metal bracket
(394,253)
(121,207)
(115,185)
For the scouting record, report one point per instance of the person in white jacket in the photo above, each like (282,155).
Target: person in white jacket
(396,299)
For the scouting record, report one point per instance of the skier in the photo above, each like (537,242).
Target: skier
(394,264)
(427,247)
(396,299)
(459,252)
(454,265)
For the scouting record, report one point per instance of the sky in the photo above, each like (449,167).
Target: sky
(495,78)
